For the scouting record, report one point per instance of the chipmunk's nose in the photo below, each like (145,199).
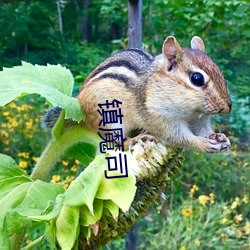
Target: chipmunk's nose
(227,108)
(230,106)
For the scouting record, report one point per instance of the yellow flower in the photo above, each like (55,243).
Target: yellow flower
(245,199)
(77,162)
(211,195)
(35,159)
(4,134)
(238,233)
(6,149)
(65,185)
(65,163)
(6,113)
(183,248)
(12,105)
(235,203)
(23,164)
(73,168)
(238,159)
(223,235)
(224,164)
(24,154)
(29,124)
(55,178)
(203,199)
(70,178)
(197,242)
(187,211)
(234,152)
(238,218)
(14,123)
(247,227)
(6,141)
(223,220)
(28,241)
(193,190)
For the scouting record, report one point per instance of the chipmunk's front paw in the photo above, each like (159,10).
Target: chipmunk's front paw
(218,142)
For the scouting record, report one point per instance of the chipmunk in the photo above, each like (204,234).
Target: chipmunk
(170,96)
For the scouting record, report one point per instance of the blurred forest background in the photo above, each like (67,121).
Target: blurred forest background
(207,206)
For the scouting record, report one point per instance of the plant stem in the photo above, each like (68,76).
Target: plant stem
(57,147)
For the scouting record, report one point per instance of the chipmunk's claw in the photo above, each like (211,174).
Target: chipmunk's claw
(218,142)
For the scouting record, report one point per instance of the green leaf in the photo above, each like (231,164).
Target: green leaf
(9,168)
(67,226)
(4,240)
(86,232)
(39,194)
(83,189)
(112,207)
(6,186)
(86,218)
(120,190)
(53,82)
(14,198)
(50,234)
(14,223)
(20,197)
(83,152)
(51,211)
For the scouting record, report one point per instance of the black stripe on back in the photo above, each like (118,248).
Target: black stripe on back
(118,77)
(142,53)
(118,63)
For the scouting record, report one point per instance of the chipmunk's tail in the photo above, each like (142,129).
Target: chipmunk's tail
(50,117)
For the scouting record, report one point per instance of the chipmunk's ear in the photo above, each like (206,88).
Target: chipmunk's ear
(171,49)
(197,43)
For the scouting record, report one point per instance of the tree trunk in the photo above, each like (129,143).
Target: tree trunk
(85,23)
(59,16)
(135,23)
(131,238)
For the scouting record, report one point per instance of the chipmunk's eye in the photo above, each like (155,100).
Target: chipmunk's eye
(197,79)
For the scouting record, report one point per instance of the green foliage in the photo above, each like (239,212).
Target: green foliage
(52,82)
(198,224)
(19,198)
(223,25)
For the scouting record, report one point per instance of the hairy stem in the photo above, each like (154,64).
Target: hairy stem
(57,146)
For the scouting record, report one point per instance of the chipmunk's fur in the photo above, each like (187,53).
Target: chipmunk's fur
(158,95)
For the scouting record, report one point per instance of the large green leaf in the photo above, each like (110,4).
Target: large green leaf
(92,183)
(120,190)
(22,198)
(53,82)
(39,194)
(83,189)
(67,226)
(86,218)
(84,152)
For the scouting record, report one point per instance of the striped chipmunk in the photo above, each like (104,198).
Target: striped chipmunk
(169,97)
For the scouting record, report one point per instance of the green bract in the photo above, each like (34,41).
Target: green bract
(53,82)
